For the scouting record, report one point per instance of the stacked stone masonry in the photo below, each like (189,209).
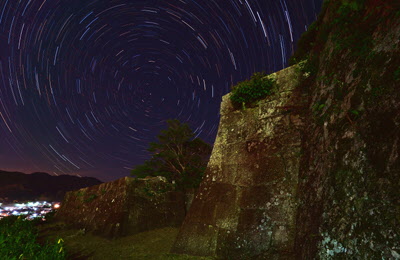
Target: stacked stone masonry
(246,207)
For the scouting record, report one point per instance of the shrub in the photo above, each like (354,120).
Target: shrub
(246,93)
(18,240)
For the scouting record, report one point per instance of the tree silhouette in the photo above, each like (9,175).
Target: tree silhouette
(177,155)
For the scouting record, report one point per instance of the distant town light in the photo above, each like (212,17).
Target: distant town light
(32,210)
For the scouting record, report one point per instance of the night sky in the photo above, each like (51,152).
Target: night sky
(85,85)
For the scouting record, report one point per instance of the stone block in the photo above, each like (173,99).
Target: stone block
(125,206)
(250,183)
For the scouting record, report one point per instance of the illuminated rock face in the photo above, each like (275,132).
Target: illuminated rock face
(245,206)
(349,182)
(335,195)
(125,206)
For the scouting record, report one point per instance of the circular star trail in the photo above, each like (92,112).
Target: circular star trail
(86,85)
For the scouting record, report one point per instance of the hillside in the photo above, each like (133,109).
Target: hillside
(39,186)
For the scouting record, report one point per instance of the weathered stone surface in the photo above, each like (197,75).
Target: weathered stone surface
(245,207)
(125,206)
(350,176)
(321,181)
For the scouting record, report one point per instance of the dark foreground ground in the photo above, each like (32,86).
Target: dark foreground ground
(154,244)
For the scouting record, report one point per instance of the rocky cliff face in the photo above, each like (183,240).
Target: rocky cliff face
(322,182)
(125,206)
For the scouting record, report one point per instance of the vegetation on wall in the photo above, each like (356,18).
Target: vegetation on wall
(313,39)
(344,35)
(246,93)
(350,28)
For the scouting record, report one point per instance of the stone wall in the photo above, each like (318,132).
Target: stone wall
(349,183)
(312,172)
(246,207)
(125,206)
(321,182)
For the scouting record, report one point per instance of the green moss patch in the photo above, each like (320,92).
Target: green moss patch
(246,93)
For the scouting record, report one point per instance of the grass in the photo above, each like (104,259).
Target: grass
(19,240)
(154,244)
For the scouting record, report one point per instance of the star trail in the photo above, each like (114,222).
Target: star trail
(86,85)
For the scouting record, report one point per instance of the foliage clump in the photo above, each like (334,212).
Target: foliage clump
(397,74)
(18,240)
(313,39)
(177,156)
(246,93)
(91,198)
